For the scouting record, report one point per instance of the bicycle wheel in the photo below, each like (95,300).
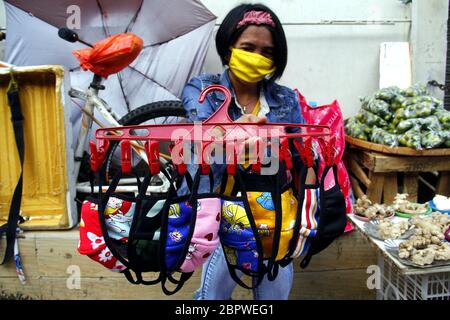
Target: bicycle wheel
(160,112)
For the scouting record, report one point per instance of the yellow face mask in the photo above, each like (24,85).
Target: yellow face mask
(250,67)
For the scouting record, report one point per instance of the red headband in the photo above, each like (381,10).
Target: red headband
(256,17)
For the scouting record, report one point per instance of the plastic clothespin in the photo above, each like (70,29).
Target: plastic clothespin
(180,167)
(256,167)
(285,153)
(305,151)
(98,154)
(328,150)
(308,153)
(152,151)
(232,162)
(204,165)
(125,147)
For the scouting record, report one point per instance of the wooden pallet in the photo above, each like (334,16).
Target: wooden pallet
(381,176)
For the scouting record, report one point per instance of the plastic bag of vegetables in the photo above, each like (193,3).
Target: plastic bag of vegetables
(378,107)
(414,91)
(411,138)
(431,139)
(387,94)
(446,138)
(398,102)
(383,137)
(405,125)
(431,123)
(370,119)
(356,129)
(419,110)
(444,118)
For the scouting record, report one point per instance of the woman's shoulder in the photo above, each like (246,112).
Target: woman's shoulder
(280,89)
(205,79)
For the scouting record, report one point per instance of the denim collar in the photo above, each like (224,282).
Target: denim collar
(270,90)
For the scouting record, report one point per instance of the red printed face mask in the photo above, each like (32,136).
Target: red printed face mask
(92,242)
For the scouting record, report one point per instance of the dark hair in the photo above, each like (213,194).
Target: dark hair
(228,34)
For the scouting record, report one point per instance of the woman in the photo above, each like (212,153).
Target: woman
(252,46)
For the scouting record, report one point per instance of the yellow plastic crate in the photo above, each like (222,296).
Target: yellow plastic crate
(48,185)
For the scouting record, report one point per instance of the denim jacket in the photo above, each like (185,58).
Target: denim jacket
(283,107)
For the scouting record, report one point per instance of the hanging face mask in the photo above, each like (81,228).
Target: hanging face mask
(250,67)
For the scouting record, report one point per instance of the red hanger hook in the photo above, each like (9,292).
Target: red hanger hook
(221,114)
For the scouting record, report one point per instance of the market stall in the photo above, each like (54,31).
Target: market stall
(399,166)
(402,279)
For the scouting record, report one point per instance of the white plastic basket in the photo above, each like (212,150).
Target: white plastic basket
(396,286)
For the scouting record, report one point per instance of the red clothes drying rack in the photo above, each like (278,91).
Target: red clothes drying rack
(234,133)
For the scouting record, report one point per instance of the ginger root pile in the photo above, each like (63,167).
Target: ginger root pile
(364,207)
(427,244)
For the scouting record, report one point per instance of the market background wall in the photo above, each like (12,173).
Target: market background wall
(341,62)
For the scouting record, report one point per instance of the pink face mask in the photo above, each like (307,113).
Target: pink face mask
(205,238)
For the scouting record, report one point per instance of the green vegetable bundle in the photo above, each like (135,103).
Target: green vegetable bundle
(379,108)
(356,129)
(407,117)
(383,137)
(370,119)
(411,138)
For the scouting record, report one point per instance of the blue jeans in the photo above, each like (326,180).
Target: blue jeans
(217,284)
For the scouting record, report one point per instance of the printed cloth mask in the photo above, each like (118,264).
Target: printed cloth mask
(332,217)
(178,229)
(198,224)
(263,211)
(309,222)
(250,67)
(205,238)
(92,242)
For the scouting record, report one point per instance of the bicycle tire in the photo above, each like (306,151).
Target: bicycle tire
(151,111)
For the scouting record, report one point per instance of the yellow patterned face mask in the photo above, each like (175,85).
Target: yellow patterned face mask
(250,67)
(263,211)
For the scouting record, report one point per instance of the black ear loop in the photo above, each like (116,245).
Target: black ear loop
(166,274)
(138,215)
(272,264)
(261,267)
(194,204)
(102,202)
(305,262)
(301,188)
(301,199)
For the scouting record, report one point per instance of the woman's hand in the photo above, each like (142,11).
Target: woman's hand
(250,142)
(251,118)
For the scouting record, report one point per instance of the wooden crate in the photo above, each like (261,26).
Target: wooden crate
(381,176)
